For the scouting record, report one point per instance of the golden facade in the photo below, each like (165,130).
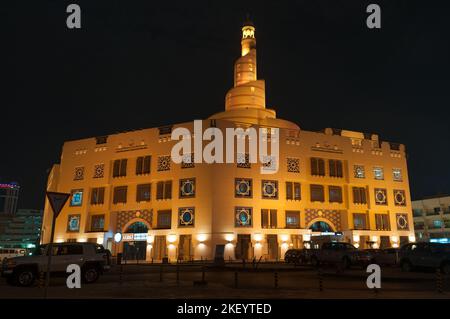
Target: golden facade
(330,184)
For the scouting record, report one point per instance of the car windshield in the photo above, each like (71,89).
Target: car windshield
(39,250)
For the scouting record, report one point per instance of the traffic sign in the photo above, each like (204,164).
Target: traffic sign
(57,201)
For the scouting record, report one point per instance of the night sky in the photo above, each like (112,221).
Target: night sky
(140,64)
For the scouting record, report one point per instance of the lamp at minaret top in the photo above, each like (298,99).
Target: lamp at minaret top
(245,66)
(248,39)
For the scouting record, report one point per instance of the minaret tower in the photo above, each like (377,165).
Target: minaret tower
(248,91)
(246,101)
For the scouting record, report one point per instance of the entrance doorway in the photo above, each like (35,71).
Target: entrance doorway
(134,250)
(159,248)
(185,247)
(272,245)
(243,246)
(135,246)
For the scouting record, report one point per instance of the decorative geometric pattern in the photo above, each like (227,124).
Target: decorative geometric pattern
(293,165)
(380,196)
(243,160)
(186,216)
(334,216)
(99,170)
(269,189)
(243,217)
(243,187)
(402,222)
(164,163)
(123,217)
(188,161)
(358,171)
(79,173)
(399,197)
(187,187)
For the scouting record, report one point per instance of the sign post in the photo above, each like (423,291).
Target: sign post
(57,202)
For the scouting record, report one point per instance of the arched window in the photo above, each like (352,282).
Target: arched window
(321,226)
(136,228)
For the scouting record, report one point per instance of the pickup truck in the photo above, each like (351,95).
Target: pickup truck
(339,253)
(425,255)
(92,258)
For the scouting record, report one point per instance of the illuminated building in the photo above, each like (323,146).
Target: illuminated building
(22,230)
(432,218)
(9,195)
(335,182)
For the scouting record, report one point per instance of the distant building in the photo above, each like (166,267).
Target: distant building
(432,218)
(9,195)
(21,230)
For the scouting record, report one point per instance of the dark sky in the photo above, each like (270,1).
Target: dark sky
(139,64)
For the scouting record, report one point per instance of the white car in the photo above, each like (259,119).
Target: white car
(92,258)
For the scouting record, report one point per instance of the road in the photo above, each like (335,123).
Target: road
(268,281)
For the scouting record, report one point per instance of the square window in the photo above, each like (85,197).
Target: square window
(269,189)
(187,188)
(358,171)
(99,170)
(79,173)
(164,163)
(243,187)
(188,161)
(73,223)
(402,221)
(399,197)
(317,193)
(243,160)
(378,173)
(97,196)
(120,194)
(98,223)
(335,194)
(186,216)
(76,197)
(292,219)
(397,174)
(164,220)
(359,221)
(293,165)
(243,217)
(380,196)
(143,193)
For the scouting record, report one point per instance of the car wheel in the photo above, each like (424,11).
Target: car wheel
(24,277)
(90,275)
(406,266)
(446,268)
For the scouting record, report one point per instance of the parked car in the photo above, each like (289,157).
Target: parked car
(297,256)
(425,255)
(387,256)
(93,259)
(336,253)
(11,252)
(293,256)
